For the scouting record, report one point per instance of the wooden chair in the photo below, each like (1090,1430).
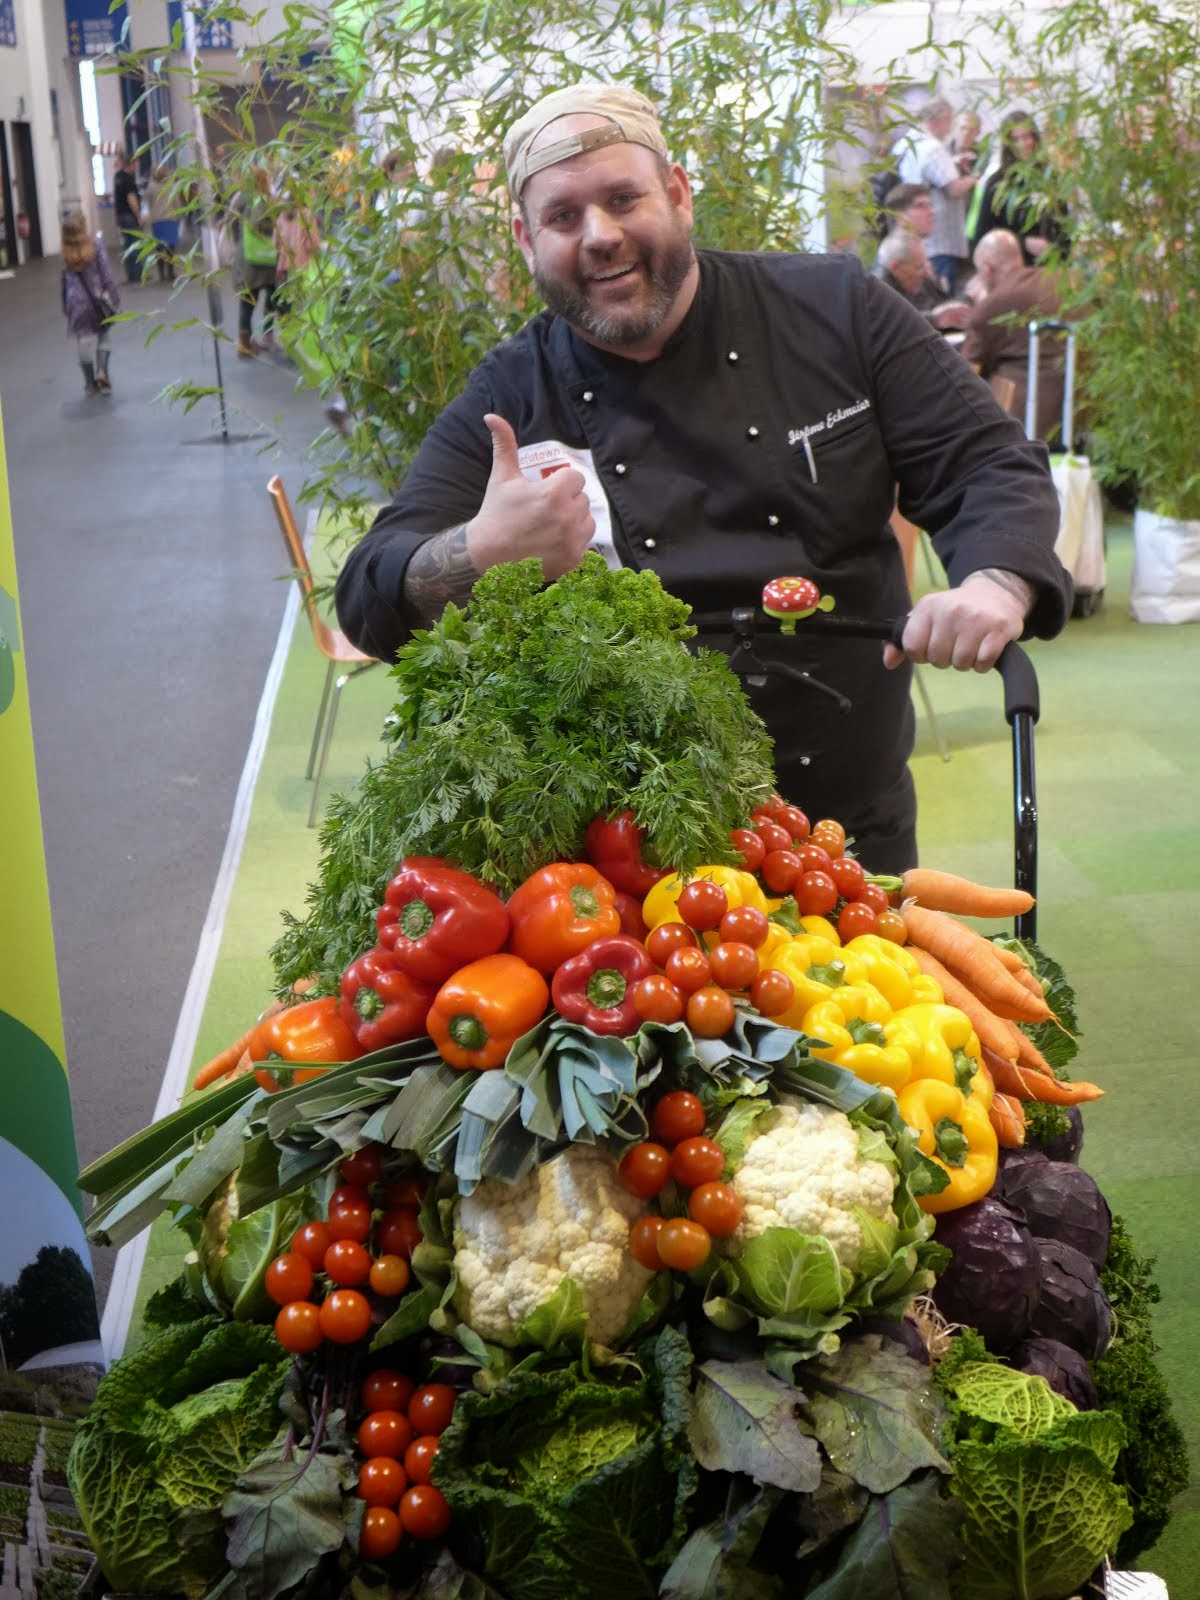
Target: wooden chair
(333,645)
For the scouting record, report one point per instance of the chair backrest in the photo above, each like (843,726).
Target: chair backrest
(299,558)
(1005,390)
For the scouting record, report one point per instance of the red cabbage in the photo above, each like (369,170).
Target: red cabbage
(991,1282)
(1060,1201)
(1064,1370)
(1071,1307)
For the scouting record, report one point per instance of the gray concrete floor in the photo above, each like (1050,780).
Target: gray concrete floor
(145,562)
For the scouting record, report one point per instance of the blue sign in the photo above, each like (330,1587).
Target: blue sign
(212,32)
(8,23)
(92,28)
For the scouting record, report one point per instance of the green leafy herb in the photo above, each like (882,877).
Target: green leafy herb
(517,723)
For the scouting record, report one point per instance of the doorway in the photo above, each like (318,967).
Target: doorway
(8,223)
(25,184)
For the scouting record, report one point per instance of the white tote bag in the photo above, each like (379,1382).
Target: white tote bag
(1166,569)
(1080,543)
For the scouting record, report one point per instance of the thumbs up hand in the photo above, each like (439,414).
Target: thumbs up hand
(549,517)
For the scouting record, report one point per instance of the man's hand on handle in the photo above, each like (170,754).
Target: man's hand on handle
(548,517)
(965,627)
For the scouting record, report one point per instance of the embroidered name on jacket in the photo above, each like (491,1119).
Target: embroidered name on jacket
(829,420)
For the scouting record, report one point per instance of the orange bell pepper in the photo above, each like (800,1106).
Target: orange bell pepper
(313,1033)
(480,1013)
(560,910)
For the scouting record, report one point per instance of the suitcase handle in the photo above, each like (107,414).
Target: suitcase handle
(1051,325)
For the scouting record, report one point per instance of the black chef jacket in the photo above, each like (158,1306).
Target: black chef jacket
(767,438)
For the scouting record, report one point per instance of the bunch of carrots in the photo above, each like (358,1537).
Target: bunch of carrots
(991,984)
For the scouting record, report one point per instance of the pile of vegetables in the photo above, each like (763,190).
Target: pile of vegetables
(627,1192)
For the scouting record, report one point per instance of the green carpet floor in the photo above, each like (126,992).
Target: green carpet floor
(1118,763)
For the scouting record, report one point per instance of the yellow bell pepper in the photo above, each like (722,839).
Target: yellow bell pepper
(850,1023)
(741,889)
(944,1046)
(957,1134)
(816,969)
(777,937)
(822,928)
(893,970)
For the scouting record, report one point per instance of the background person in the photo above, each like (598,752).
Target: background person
(903,266)
(997,339)
(924,158)
(1007,201)
(723,418)
(127,211)
(256,262)
(89,297)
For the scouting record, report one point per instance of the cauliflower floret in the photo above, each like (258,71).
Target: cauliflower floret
(802,1170)
(515,1243)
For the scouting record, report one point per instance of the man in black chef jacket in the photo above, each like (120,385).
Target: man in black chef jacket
(724,419)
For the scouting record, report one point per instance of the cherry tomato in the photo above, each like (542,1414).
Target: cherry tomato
(832,836)
(298,1327)
(418,1458)
(668,937)
(677,1115)
(710,1012)
(763,813)
(874,896)
(683,1244)
(734,966)
(814,858)
(816,893)
(794,820)
(289,1277)
(347,1263)
(345,1316)
(425,1512)
(386,1390)
(890,925)
(385,1433)
(363,1166)
(399,1232)
(772,993)
(688,970)
(656,999)
(381,1481)
(407,1191)
(702,904)
(432,1407)
(350,1222)
(848,874)
(644,1169)
(697,1161)
(643,1241)
(717,1207)
(780,869)
(311,1241)
(745,925)
(381,1533)
(348,1198)
(389,1276)
(773,836)
(856,917)
(749,846)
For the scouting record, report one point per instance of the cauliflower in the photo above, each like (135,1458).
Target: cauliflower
(515,1243)
(802,1170)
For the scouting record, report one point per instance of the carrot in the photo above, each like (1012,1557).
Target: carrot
(1013,1079)
(1029,1056)
(990,1029)
(1009,959)
(973,960)
(944,891)
(225,1062)
(1007,1116)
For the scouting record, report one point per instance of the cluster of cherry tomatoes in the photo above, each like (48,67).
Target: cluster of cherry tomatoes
(679,1152)
(398,1437)
(810,863)
(698,979)
(326,1285)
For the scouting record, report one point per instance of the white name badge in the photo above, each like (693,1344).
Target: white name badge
(540,460)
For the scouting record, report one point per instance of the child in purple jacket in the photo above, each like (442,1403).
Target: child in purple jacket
(89,297)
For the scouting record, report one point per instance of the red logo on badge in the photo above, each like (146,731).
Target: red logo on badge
(559,466)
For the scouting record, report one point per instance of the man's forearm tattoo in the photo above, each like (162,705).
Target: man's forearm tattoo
(1018,587)
(440,570)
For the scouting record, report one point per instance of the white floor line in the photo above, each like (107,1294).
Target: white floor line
(127,1269)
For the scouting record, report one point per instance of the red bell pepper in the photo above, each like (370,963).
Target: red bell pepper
(596,987)
(558,911)
(436,918)
(480,1012)
(381,1004)
(614,844)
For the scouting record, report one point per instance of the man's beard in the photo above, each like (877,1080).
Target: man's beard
(625,326)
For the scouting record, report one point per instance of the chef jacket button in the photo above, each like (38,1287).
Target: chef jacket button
(619,469)
(588,396)
(732,357)
(752,432)
(650,544)
(772,521)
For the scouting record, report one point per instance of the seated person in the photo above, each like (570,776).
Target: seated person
(904,267)
(997,339)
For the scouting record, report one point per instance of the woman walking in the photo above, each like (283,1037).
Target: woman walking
(89,298)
